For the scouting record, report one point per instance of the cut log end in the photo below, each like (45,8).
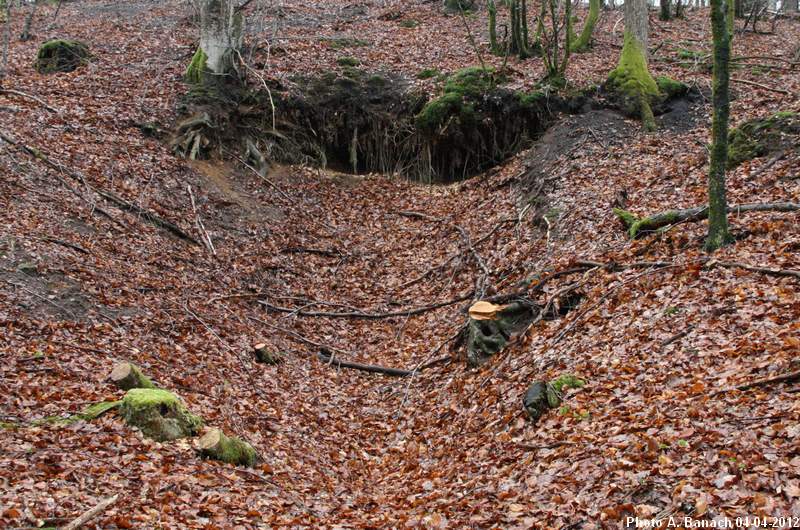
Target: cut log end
(264,355)
(127,376)
(231,450)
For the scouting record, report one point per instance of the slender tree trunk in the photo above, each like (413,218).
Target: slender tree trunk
(6,40)
(582,42)
(666,10)
(718,233)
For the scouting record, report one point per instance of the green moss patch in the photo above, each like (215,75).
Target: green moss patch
(631,84)
(345,42)
(671,88)
(347,61)
(159,414)
(428,73)
(61,55)
(761,137)
(196,70)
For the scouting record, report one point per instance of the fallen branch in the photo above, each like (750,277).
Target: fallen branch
(10,92)
(328,358)
(759,85)
(636,225)
(364,314)
(754,268)
(789,377)
(90,514)
(678,336)
(107,195)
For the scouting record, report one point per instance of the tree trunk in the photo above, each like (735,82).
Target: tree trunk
(220,41)
(718,233)
(636,22)
(631,81)
(582,42)
(666,10)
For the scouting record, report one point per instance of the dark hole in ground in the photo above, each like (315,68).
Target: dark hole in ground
(358,122)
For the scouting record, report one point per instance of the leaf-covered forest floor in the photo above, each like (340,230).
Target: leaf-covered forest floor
(449,447)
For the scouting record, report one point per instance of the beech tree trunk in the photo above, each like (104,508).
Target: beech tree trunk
(718,233)
(636,22)
(220,41)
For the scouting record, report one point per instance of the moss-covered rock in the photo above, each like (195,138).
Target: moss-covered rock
(671,88)
(542,395)
(455,6)
(61,55)
(159,414)
(760,137)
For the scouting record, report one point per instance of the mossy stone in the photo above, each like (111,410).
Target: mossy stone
(159,414)
(61,55)
(763,136)
(671,88)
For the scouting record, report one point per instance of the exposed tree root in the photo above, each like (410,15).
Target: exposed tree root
(637,226)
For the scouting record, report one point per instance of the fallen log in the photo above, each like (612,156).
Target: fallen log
(636,225)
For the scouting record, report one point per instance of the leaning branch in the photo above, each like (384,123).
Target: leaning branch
(636,226)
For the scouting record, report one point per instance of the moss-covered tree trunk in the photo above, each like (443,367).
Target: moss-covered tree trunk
(718,234)
(582,42)
(220,42)
(666,10)
(492,8)
(631,80)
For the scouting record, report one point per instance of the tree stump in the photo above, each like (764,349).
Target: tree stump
(264,355)
(487,335)
(231,450)
(127,376)
(159,414)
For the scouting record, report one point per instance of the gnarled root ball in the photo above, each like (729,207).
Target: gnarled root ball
(159,414)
